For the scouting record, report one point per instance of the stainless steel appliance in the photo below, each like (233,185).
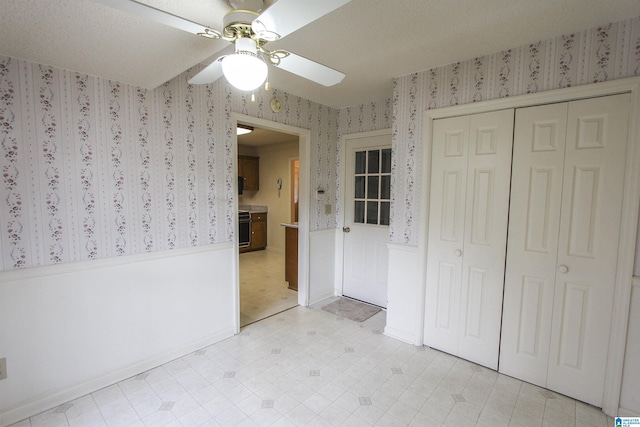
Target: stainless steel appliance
(244,229)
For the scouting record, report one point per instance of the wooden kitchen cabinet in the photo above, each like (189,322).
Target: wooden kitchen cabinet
(249,169)
(258,231)
(291,257)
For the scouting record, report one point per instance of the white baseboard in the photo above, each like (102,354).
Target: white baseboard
(400,335)
(318,298)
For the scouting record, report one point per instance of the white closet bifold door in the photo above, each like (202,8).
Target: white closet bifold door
(564,229)
(470,176)
(534,221)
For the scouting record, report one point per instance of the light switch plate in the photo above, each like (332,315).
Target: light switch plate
(3,368)
(327,209)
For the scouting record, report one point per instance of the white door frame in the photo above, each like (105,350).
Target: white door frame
(342,179)
(304,142)
(631,201)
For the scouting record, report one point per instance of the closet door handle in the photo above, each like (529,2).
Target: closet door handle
(563,269)
(458,253)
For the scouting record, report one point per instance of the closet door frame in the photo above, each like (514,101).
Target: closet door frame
(629,221)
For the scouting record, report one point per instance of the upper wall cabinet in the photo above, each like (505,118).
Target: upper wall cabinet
(249,169)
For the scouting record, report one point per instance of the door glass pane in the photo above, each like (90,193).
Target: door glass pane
(358,212)
(385,210)
(359,193)
(385,187)
(372,212)
(372,187)
(386,160)
(374,161)
(361,161)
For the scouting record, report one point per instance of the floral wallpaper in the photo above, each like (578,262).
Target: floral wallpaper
(595,55)
(375,115)
(93,168)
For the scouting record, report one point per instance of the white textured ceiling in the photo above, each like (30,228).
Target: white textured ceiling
(371,41)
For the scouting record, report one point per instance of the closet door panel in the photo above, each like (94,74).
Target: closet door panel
(446,233)
(487,207)
(534,221)
(588,245)
(471,165)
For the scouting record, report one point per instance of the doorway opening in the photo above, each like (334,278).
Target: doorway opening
(265,281)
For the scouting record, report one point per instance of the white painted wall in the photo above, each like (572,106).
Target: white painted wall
(321,264)
(70,329)
(405,294)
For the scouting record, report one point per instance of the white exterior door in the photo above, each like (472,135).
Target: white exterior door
(469,202)
(563,243)
(366,221)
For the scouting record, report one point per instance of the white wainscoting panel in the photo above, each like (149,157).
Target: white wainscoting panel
(71,329)
(322,245)
(405,294)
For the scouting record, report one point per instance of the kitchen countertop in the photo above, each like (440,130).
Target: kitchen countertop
(289,224)
(253,208)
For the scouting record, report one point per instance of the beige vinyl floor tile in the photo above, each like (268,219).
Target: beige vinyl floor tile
(263,290)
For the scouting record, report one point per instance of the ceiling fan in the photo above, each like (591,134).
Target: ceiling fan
(250,30)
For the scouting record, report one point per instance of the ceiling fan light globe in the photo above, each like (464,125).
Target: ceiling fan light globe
(244,71)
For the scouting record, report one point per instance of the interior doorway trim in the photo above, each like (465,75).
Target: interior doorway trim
(304,141)
(629,222)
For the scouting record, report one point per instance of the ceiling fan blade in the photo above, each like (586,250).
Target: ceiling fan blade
(286,16)
(135,8)
(310,70)
(208,74)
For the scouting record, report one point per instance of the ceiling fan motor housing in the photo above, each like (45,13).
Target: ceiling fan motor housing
(237,24)
(254,5)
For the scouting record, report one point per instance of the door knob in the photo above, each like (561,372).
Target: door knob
(346,229)
(458,252)
(563,269)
